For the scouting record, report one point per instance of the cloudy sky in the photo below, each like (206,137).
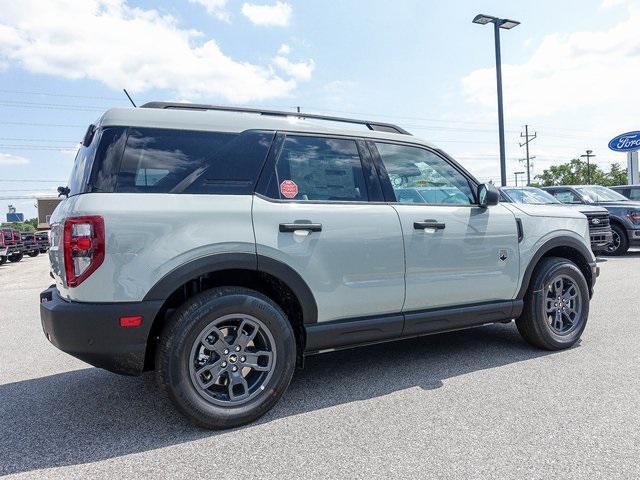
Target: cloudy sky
(570,72)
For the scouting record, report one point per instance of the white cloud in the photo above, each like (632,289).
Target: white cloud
(284,49)
(123,46)
(297,70)
(276,15)
(7,159)
(217,8)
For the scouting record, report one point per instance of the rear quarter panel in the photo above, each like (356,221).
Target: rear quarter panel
(149,235)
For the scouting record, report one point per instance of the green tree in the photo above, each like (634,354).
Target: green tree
(20,226)
(617,175)
(575,173)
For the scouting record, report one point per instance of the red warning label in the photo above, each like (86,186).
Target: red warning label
(288,189)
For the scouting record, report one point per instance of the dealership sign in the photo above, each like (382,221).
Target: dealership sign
(627,142)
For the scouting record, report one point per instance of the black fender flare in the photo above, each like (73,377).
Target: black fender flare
(238,261)
(561,241)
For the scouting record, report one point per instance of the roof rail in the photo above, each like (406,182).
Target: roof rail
(381,127)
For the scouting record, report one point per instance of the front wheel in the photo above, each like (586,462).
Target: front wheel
(226,357)
(16,257)
(556,305)
(619,242)
(3,259)
(33,254)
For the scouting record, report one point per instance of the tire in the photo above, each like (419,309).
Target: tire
(620,243)
(536,325)
(16,257)
(182,349)
(3,260)
(33,254)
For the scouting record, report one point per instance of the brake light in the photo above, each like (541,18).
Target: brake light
(83,244)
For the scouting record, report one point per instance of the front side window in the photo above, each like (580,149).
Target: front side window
(420,176)
(321,169)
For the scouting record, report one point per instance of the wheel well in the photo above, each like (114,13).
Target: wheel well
(262,282)
(576,257)
(615,221)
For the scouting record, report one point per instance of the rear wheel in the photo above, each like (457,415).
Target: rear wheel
(3,259)
(556,306)
(226,357)
(33,254)
(619,243)
(16,257)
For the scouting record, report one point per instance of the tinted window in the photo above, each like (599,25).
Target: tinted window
(179,161)
(314,168)
(420,176)
(82,167)
(567,196)
(634,193)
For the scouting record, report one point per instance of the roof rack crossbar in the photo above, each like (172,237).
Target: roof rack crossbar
(379,126)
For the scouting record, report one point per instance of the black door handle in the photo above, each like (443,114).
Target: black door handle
(434,224)
(292,227)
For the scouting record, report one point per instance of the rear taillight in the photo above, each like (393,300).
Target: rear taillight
(83,247)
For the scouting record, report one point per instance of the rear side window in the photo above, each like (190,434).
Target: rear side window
(179,161)
(318,168)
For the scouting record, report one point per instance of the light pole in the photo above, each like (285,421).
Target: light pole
(507,24)
(588,156)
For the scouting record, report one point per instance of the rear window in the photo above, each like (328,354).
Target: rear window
(177,161)
(153,160)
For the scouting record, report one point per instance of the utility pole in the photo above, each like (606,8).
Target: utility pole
(588,156)
(528,138)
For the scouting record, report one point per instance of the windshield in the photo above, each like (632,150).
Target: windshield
(530,195)
(601,194)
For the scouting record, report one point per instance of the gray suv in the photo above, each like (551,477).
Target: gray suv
(220,246)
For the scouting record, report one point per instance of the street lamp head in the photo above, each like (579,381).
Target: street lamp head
(501,22)
(508,24)
(484,19)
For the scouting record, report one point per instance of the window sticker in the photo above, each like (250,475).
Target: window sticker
(288,189)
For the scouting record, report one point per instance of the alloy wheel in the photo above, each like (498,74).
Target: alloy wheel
(563,305)
(232,359)
(615,242)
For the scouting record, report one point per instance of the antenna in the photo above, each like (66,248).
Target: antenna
(129,97)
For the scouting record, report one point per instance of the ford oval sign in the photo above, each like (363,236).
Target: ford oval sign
(627,142)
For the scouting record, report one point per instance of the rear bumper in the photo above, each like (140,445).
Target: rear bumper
(92,332)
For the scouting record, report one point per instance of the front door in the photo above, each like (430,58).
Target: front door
(457,253)
(314,215)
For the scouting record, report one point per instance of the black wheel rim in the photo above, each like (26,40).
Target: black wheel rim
(615,242)
(563,305)
(232,359)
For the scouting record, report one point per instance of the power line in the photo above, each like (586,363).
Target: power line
(51,94)
(30,180)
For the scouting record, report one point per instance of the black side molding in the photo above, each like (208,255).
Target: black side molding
(520,230)
(363,331)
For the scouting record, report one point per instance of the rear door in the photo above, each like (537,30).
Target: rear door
(457,253)
(318,208)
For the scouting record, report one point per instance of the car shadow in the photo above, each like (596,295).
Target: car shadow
(90,415)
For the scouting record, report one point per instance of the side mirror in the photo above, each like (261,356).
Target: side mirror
(488,195)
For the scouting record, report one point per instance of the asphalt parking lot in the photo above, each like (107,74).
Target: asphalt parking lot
(472,404)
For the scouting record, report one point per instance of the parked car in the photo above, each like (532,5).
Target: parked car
(598,217)
(632,192)
(624,214)
(42,239)
(3,248)
(29,245)
(220,246)
(13,242)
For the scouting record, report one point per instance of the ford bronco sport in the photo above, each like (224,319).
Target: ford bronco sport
(220,246)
